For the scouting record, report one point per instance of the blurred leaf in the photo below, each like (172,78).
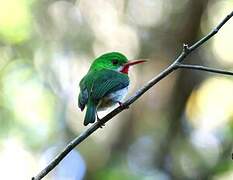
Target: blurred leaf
(15,20)
(30,103)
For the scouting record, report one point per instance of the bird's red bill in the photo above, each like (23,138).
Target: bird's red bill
(134,62)
(131,63)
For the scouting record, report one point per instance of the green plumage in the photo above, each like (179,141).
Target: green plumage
(102,79)
(91,112)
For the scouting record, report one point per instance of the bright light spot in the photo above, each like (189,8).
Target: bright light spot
(68,11)
(141,155)
(15,161)
(222,43)
(72,167)
(224,176)
(211,105)
(145,12)
(101,15)
(123,39)
(207,145)
(111,33)
(15,19)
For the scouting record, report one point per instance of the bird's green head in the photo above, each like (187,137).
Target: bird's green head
(114,61)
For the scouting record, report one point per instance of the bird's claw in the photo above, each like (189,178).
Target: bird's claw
(122,105)
(100,123)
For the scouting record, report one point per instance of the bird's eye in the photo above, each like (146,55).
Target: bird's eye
(114,61)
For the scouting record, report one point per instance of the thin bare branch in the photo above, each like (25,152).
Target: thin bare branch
(172,67)
(203,68)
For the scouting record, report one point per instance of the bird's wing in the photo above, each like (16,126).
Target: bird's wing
(83,95)
(107,81)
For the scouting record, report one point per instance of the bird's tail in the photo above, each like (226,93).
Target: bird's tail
(90,113)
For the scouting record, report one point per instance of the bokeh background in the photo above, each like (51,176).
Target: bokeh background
(181,129)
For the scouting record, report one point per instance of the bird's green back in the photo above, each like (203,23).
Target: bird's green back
(99,83)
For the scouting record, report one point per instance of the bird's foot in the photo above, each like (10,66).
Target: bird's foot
(101,125)
(121,104)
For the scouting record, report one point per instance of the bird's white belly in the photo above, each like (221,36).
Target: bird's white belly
(112,98)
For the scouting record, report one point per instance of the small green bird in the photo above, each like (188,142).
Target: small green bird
(105,84)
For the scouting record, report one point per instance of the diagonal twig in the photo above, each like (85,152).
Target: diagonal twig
(172,67)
